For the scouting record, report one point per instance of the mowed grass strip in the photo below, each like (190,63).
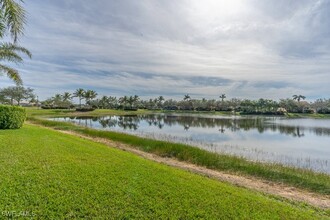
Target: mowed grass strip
(54,175)
(300,178)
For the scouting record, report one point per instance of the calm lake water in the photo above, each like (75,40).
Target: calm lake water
(301,143)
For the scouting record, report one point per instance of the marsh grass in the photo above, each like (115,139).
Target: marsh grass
(253,154)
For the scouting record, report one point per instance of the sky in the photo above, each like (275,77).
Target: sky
(244,49)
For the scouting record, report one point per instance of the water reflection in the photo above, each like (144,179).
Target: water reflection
(297,142)
(158,121)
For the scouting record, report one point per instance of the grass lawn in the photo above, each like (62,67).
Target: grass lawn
(300,178)
(47,174)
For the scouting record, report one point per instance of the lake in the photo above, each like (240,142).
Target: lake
(302,142)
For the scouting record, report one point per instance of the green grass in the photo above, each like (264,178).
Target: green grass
(50,175)
(32,111)
(303,179)
(305,115)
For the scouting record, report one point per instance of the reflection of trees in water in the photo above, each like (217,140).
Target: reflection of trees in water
(125,122)
(261,124)
(128,122)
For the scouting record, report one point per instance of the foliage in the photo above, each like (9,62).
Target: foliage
(80,93)
(89,95)
(243,106)
(11,117)
(65,177)
(16,93)
(298,97)
(84,109)
(12,19)
(58,102)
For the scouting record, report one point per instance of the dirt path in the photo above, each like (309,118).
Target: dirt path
(288,192)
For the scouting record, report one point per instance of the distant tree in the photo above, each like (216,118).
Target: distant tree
(136,99)
(222,97)
(90,95)
(321,106)
(161,98)
(159,102)
(289,104)
(186,97)
(123,101)
(17,93)
(57,98)
(67,96)
(80,94)
(104,102)
(235,103)
(113,102)
(298,97)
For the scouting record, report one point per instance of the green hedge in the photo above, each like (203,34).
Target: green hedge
(11,117)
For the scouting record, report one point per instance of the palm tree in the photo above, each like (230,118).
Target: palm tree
(160,101)
(123,101)
(298,97)
(12,19)
(80,93)
(136,98)
(104,102)
(90,95)
(222,97)
(186,97)
(66,96)
(161,98)
(58,97)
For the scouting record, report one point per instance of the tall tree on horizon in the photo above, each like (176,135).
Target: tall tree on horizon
(80,94)
(67,96)
(186,97)
(298,97)
(90,95)
(17,93)
(222,97)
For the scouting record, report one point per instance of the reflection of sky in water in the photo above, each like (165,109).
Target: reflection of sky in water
(306,122)
(290,141)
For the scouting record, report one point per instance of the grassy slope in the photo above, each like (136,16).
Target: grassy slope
(54,175)
(315,182)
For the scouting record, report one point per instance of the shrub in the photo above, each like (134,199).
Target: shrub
(11,117)
(324,111)
(56,107)
(84,109)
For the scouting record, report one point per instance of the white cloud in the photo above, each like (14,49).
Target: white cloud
(94,43)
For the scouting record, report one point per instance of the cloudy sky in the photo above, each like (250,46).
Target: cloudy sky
(245,49)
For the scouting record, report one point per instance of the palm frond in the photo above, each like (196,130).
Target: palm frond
(11,73)
(10,56)
(2,25)
(16,48)
(14,16)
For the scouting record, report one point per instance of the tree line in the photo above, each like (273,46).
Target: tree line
(89,100)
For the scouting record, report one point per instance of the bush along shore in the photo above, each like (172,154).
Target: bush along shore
(300,178)
(11,117)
